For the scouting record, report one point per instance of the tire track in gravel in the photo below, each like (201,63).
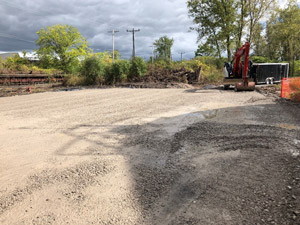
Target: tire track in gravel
(215,173)
(78,178)
(190,176)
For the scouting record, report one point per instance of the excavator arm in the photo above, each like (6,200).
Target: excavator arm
(241,68)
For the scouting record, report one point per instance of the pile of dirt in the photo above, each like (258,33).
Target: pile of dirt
(164,75)
(157,85)
(269,91)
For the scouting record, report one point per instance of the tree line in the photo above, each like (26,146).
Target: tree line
(223,26)
(63,46)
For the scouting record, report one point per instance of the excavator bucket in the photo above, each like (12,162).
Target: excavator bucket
(245,86)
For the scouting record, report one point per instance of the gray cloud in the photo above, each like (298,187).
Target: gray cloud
(94,18)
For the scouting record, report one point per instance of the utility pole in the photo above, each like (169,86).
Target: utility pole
(133,49)
(113,42)
(181,53)
(152,53)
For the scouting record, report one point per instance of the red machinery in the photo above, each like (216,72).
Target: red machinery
(239,76)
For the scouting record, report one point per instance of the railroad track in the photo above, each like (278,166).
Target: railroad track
(21,79)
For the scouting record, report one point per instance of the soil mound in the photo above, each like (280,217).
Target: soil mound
(165,75)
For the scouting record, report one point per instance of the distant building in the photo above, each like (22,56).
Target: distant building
(31,56)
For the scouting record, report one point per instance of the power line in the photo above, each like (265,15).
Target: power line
(133,49)
(14,37)
(113,42)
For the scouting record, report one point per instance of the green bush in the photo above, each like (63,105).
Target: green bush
(164,64)
(212,78)
(212,61)
(73,67)
(118,71)
(1,64)
(297,68)
(137,68)
(14,62)
(91,69)
(74,80)
(46,62)
(192,65)
(23,68)
(259,59)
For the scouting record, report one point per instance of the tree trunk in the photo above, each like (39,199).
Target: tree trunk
(292,58)
(217,45)
(250,31)
(228,49)
(241,27)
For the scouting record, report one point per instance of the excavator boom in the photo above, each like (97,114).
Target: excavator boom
(240,69)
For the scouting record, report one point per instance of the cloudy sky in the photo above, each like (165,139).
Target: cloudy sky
(21,19)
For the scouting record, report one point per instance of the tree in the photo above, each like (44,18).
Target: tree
(242,13)
(63,44)
(215,20)
(257,9)
(259,43)
(283,34)
(274,51)
(163,47)
(206,49)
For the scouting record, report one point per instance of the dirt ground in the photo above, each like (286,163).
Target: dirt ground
(13,90)
(149,156)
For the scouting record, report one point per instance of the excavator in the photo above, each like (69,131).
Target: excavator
(236,73)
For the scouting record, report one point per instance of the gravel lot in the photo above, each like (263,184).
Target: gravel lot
(149,156)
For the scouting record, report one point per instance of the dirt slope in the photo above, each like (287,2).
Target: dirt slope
(145,156)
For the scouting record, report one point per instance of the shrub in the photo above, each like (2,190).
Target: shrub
(192,65)
(164,64)
(15,61)
(9,63)
(212,61)
(22,68)
(259,59)
(213,78)
(295,89)
(117,72)
(137,68)
(46,62)
(36,70)
(91,69)
(74,80)
(1,64)
(297,68)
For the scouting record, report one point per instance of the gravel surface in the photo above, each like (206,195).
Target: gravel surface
(149,156)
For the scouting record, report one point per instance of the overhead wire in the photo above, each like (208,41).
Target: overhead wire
(15,37)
